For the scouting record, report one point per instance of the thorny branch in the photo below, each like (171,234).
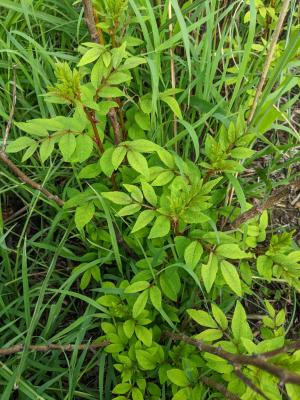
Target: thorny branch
(249,383)
(89,20)
(260,361)
(115,124)
(49,347)
(273,199)
(219,387)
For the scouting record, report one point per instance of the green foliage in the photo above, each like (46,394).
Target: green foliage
(152,222)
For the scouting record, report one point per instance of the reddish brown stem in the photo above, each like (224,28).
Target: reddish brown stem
(91,117)
(115,124)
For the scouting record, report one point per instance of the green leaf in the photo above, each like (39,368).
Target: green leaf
(134,191)
(209,335)
(106,58)
(143,220)
(202,318)
(144,335)
(19,144)
(264,265)
(129,210)
(232,251)
(33,127)
(118,156)
(118,53)
(145,360)
(208,186)
(67,145)
(84,214)
(114,348)
(163,178)
(138,162)
(143,146)
(117,197)
(231,133)
(219,316)
(84,148)
(193,254)
(118,77)
(241,152)
(172,103)
(122,388)
(140,304)
(28,153)
(105,106)
(145,103)
(149,193)
(280,318)
(46,149)
(110,91)
(90,171)
(178,377)
(155,297)
(90,56)
(132,62)
(143,120)
(96,273)
(166,157)
(128,327)
(160,228)
(137,394)
(239,325)
(231,277)
(106,162)
(193,216)
(137,287)
(209,272)
(170,284)
(85,280)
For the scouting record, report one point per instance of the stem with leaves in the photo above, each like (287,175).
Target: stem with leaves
(273,199)
(260,361)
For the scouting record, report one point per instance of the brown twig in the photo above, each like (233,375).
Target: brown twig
(49,347)
(274,198)
(115,124)
(282,350)
(270,54)
(238,360)
(249,383)
(219,387)
(24,178)
(91,117)
(12,110)
(89,20)
(125,246)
